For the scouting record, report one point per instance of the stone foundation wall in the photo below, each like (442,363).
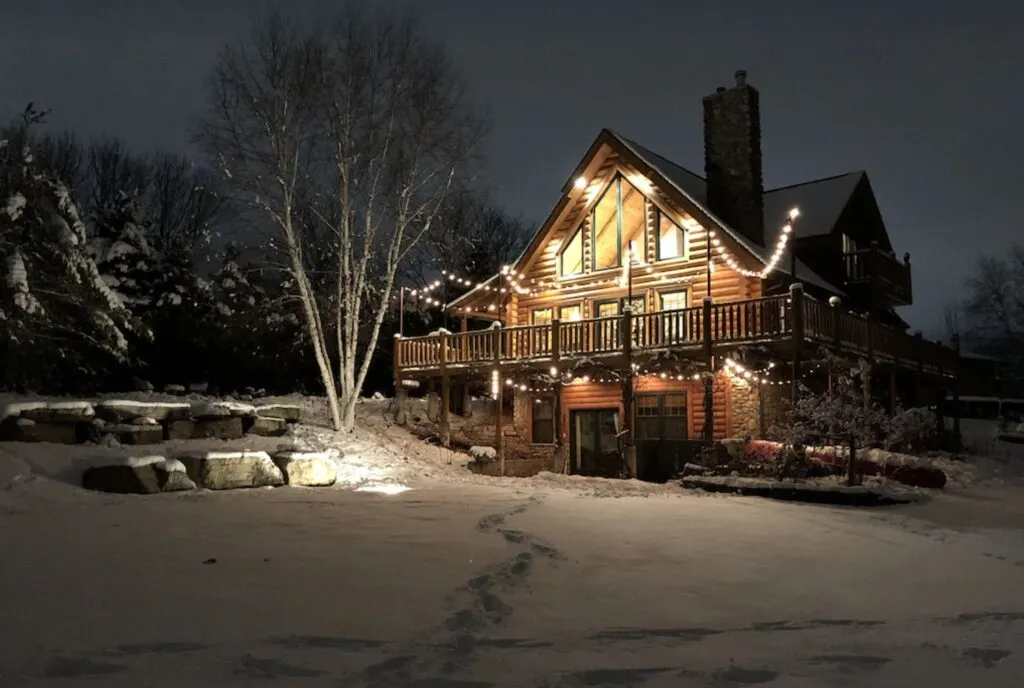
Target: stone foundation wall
(521,458)
(746,412)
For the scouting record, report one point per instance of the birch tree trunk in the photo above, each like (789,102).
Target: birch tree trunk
(261,129)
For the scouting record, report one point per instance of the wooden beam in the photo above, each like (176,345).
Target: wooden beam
(796,309)
(446,394)
(499,433)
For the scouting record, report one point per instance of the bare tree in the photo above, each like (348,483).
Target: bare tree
(262,129)
(995,307)
(351,138)
(182,203)
(112,170)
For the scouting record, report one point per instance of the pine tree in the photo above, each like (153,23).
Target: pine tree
(63,327)
(123,254)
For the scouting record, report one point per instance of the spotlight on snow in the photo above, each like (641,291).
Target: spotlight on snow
(384,488)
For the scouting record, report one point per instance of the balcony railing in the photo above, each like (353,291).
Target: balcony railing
(889,278)
(712,325)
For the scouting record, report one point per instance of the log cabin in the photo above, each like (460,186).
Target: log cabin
(657,310)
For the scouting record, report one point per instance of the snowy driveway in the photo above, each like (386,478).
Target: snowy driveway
(476,586)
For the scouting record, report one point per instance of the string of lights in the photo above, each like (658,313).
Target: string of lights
(773,261)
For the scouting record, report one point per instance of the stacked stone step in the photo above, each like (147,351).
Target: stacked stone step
(143,422)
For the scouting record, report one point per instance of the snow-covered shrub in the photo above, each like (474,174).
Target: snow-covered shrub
(911,430)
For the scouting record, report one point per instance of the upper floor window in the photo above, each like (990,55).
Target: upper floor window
(570,260)
(849,245)
(673,300)
(671,238)
(571,313)
(619,222)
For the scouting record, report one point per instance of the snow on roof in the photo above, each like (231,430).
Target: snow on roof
(820,201)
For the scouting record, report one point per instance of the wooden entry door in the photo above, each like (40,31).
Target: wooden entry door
(594,443)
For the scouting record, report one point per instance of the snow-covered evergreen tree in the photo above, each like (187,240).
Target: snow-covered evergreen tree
(123,254)
(63,327)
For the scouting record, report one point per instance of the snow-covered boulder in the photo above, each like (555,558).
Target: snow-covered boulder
(61,412)
(128,410)
(226,428)
(139,475)
(307,469)
(267,426)
(290,412)
(175,389)
(233,470)
(16,409)
(28,430)
(483,453)
(135,433)
(222,409)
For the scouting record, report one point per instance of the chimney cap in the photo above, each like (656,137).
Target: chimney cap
(741,77)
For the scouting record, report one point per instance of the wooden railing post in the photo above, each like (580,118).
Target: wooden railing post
(919,349)
(709,379)
(446,391)
(796,306)
(401,394)
(499,384)
(629,450)
(556,340)
(837,329)
(956,389)
(870,327)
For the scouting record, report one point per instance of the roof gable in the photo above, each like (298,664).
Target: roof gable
(821,202)
(672,179)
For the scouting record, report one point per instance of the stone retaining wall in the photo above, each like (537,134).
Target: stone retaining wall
(142,422)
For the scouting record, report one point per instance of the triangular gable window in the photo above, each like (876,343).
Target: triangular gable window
(619,223)
(570,260)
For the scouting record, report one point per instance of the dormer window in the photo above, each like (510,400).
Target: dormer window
(570,260)
(619,221)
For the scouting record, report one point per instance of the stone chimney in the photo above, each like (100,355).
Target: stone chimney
(732,157)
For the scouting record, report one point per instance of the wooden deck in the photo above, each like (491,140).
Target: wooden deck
(796,320)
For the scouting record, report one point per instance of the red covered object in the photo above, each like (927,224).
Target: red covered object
(915,476)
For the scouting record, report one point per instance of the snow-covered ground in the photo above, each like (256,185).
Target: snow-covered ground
(466,581)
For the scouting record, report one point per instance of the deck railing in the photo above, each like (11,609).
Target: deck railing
(769,319)
(873,266)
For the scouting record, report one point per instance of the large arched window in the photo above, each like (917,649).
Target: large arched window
(619,223)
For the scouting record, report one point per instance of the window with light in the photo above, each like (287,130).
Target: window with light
(674,300)
(570,313)
(570,260)
(671,238)
(619,221)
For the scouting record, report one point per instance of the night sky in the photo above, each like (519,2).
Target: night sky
(928,102)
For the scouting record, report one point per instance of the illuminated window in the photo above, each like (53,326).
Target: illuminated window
(542,316)
(607,309)
(543,421)
(849,245)
(605,232)
(671,238)
(633,211)
(619,221)
(674,300)
(568,313)
(570,261)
